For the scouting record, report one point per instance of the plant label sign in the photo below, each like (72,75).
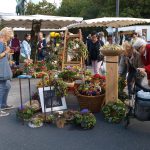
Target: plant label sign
(51,101)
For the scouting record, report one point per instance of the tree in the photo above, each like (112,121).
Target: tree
(43,8)
(104,8)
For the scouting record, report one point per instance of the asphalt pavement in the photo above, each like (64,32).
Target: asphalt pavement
(105,136)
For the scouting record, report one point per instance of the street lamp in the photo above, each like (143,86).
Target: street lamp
(117,15)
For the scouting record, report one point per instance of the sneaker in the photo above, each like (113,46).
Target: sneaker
(3,114)
(7,107)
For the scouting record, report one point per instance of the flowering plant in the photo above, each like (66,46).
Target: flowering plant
(90,89)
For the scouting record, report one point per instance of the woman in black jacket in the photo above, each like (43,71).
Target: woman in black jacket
(94,52)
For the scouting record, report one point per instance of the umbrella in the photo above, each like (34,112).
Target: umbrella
(115,22)
(53,22)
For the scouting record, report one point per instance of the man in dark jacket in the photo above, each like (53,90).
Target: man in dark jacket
(94,52)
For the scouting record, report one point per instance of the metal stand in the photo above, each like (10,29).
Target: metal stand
(20,85)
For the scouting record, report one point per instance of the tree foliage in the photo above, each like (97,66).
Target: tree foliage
(104,8)
(43,8)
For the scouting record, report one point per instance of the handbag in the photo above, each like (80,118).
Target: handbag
(5,70)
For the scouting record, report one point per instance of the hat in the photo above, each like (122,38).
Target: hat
(138,43)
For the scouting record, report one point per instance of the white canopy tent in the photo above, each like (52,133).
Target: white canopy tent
(115,22)
(53,22)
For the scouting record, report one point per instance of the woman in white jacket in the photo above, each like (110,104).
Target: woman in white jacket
(25,47)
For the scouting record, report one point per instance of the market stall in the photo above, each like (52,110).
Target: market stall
(112,57)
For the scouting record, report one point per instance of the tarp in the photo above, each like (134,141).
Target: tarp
(53,22)
(115,22)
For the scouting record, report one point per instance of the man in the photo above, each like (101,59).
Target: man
(41,46)
(15,45)
(141,46)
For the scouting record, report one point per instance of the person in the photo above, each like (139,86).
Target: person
(94,51)
(41,46)
(25,47)
(5,71)
(144,49)
(121,38)
(15,45)
(133,61)
(102,37)
(134,37)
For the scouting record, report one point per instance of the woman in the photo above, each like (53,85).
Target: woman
(133,61)
(5,72)
(144,49)
(25,47)
(94,51)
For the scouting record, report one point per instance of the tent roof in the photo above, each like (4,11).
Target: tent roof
(46,21)
(109,22)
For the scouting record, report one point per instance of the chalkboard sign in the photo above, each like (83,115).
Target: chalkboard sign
(49,98)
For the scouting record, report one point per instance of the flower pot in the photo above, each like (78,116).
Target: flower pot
(60,123)
(93,103)
(111,52)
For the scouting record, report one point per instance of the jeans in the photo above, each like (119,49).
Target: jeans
(4,90)
(96,66)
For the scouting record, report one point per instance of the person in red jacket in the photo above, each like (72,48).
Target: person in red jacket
(144,49)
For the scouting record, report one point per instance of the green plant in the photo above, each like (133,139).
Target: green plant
(60,87)
(88,121)
(25,113)
(78,119)
(36,121)
(67,75)
(114,112)
(121,83)
(122,95)
(79,46)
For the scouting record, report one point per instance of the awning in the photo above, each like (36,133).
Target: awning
(115,22)
(53,22)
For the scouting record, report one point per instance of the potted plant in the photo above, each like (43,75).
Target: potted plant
(25,113)
(91,96)
(59,85)
(69,116)
(68,76)
(88,121)
(59,120)
(85,119)
(35,122)
(114,112)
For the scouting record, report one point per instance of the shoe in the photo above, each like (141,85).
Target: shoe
(3,113)
(7,107)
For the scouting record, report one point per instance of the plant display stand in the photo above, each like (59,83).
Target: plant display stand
(111,74)
(20,85)
(65,61)
(111,78)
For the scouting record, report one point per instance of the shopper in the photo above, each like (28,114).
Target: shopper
(94,51)
(5,72)
(25,47)
(133,61)
(15,45)
(141,46)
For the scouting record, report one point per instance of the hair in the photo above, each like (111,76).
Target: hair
(7,33)
(26,35)
(94,33)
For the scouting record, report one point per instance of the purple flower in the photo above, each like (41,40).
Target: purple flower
(21,108)
(84,111)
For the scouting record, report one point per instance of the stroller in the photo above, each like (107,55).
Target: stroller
(141,104)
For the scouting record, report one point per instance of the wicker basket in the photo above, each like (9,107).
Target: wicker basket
(93,103)
(110,52)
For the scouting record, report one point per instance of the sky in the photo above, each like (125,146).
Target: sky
(9,6)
